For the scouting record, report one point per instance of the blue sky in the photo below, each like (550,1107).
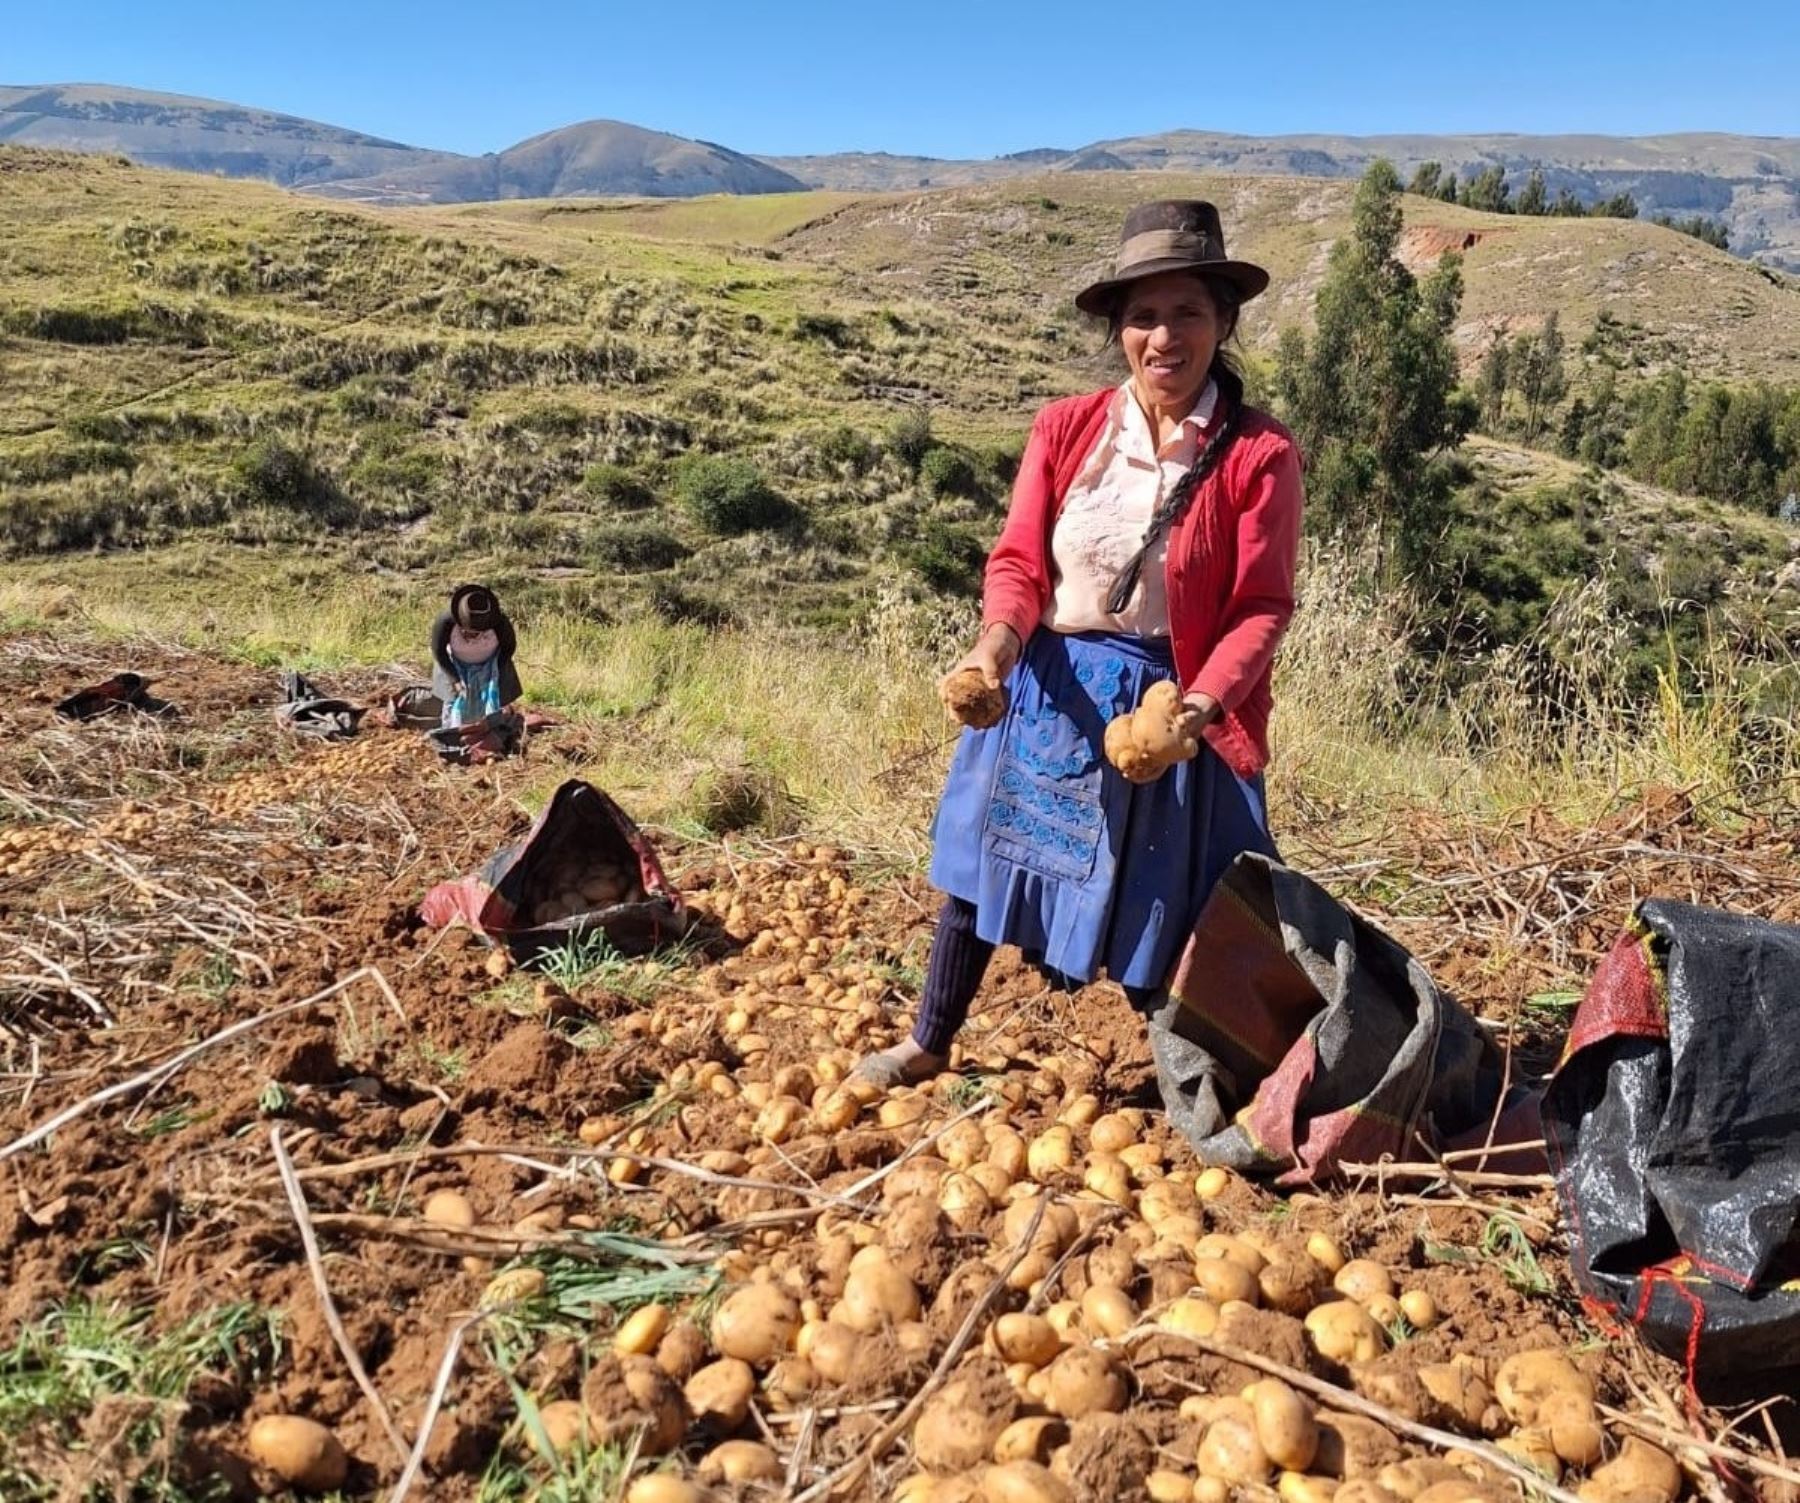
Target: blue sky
(969,79)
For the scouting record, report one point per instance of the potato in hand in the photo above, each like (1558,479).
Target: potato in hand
(972,699)
(1146,743)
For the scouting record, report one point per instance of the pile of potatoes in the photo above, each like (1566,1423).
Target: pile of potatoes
(830,1308)
(576,885)
(852,1308)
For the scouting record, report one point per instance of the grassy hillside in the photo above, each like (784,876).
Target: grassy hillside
(521,390)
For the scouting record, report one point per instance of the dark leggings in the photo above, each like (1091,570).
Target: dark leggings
(959,959)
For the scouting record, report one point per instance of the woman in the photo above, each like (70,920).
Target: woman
(472,648)
(1152,535)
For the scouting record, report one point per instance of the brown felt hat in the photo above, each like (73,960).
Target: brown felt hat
(1171,234)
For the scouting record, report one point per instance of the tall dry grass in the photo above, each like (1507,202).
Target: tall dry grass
(851,729)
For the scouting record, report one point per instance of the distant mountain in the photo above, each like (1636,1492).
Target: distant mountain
(1752,183)
(596,159)
(599,158)
(198,135)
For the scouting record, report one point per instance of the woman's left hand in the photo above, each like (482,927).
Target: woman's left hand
(1198,711)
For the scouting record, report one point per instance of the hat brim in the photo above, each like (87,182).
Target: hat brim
(1249,279)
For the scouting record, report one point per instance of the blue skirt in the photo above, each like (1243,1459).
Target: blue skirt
(1060,855)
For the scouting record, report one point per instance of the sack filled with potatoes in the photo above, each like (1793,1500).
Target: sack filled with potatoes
(571,892)
(1148,741)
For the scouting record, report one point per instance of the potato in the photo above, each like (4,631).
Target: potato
(566,1425)
(993,1178)
(1026,1338)
(1211,1490)
(1108,1178)
(1232,1250)
(971,699)
(1345,1332)
(1532,1446)
(1189,1316)
(1031,1439)
(1164,1486)
(1326,1253)
(954,1430)
(1114,1131)
(1107,1311)
(665,1487)
(449,1208)
(1220,1281)
(1466,1490)
(682,1351)
(1462,1396)
(514,1285)
(877,1294)
(963,1201)
(1419,1308)
(719,1394)
(642,1331)
(790,1380)
(1055,1232)
(1212,1182)
(302,1452)
(1407,1479)
(1165,1198)
(902,1111)
(1573,1427)
(1304,1487)
(1526,1379)
(1291,1285)
(1361,1279)
(963,1145)
(1006,1150)
(1640,1470)
(1083,1111)
(657,1404)
(1284,1424)
(756,1323)
(835,1352)
(741,1461)
(1085,1380)
(1023,1482)
(1231,1452)
(1051,1154)
(1362,1490)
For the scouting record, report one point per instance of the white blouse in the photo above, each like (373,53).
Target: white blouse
(1102,522)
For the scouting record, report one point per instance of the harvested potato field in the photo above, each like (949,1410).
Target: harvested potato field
(298,1195)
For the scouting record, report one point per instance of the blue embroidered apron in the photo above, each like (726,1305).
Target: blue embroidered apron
(1061,856)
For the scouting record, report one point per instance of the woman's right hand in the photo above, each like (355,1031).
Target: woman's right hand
(993,655)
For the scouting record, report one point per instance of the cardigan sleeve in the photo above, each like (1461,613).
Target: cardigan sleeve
(1016,585)
(1262,593)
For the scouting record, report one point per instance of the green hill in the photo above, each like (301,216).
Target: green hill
(521,387)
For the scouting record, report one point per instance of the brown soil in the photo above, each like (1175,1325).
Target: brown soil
(190,874)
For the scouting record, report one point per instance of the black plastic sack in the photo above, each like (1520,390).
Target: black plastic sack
(1673,1123)
(306,712)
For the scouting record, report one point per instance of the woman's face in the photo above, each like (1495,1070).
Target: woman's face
(1169,327)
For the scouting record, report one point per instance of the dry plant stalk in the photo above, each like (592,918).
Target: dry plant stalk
(327,1305)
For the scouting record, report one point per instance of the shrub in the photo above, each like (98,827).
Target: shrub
(823,326)
(635,548)
(729,496)
(847,447)
(1002,461)
(947,559)
(947,472)
(614,486)
(270,473)
(681,606)
(910,438)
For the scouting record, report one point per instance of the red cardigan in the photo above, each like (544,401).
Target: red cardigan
(1230,567)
